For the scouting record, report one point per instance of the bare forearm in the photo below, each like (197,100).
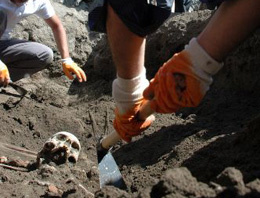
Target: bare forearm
(59,35)
(230,25)
(61,41)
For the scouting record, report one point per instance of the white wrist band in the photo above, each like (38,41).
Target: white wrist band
(201,59)
(67,60)
(127,91)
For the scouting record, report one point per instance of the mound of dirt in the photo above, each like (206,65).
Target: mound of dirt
(208,151)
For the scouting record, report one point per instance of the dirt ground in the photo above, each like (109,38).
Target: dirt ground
(208,151)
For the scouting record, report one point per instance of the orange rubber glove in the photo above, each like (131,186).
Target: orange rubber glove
(128,95)
(70,67)
(4,74)
(128,125)
(183,80)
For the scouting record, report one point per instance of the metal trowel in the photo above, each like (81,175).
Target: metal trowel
(109,173)
(108,169)
(18,88)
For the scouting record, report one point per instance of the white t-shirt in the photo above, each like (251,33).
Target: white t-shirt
(15,14)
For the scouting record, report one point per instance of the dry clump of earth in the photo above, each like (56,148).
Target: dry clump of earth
(208,151)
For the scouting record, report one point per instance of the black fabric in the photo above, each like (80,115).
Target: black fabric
(3,22)
(182,5)
(140,17)
(212,4)
(97,18)
(212,1)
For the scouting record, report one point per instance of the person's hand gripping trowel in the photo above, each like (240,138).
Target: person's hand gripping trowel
(141,121)
(128,95)
(129,120)
(6,80)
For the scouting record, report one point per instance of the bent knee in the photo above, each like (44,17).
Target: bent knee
(45,56)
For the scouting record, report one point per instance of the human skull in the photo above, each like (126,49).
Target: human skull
(60,148)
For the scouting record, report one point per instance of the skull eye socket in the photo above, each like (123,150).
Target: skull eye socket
(49,145)
(61,137)
(75,145)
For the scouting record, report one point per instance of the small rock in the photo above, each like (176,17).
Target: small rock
(32,122)
(36,134)
(230,177)
(3,159)
(16,131)
(92,172)
(46,170)
(53,189)
(3,178)
(254,186)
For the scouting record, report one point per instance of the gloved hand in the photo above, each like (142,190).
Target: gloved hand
(4,75)
(129,125)
(127,94)
(70,67)
(183,80)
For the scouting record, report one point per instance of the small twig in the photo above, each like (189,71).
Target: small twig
(106,127)
(19,149)
(88,194)
(13,167)
(40,183)
(94,125)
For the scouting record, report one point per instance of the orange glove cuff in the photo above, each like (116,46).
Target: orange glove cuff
(128,125)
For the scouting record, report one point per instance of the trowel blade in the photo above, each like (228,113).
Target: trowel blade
(109,172)
(18,88)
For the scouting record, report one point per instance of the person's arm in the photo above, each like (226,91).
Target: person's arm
(69,66)
(59,35)
(227,29)
(185,78)
(128,51)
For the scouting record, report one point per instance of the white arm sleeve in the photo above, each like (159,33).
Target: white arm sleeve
(45,9)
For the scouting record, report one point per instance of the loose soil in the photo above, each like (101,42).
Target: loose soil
(208,151)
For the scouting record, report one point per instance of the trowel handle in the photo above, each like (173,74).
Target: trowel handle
(110,140)
(113,138)
(145,110)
